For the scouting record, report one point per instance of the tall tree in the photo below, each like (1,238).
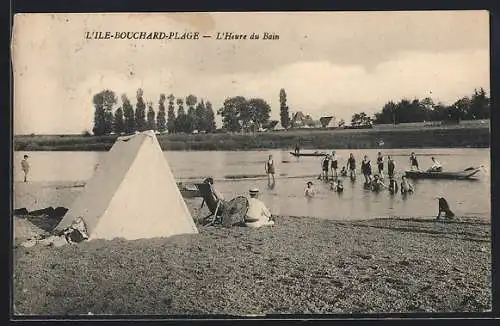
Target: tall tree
(161,122)
(260,112)
(118,123)
(200,117)
(171,114)
(209,117)
(151,123)
(181,119)
(129,115)
(479,105)
(103,116)
(230,113)
(140,111)
(284,111)
(361,119)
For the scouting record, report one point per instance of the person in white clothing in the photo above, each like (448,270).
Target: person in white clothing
(257,215)
(436,166)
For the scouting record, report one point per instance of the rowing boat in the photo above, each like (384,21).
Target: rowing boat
(457,175)
(188,190)
(308,154)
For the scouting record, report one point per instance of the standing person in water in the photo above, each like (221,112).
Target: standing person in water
(380,164)
(325,166)
(25,165)
(334,165)
(413,161)
(270,170)
(351,165)
(366,169)
(390,167)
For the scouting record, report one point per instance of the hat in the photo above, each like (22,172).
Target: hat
(254,190)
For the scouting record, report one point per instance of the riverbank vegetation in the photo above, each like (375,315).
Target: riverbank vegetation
(467,134)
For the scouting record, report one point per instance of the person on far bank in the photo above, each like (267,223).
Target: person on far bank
(380,165)
(390,167)
(25,165)
(351,165)
(334,165)
(413,162)
(366,169)
(270,170)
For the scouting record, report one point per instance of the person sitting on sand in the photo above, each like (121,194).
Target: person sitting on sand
(393,185)
(217,197)
(377,183)
(436,166)
(413,162)
(309,192)
(406,187)
(443,207)
(25,165)
(390,167)
(343,172)
(257,215)
(366,169)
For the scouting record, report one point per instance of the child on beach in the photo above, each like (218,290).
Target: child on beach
(25,165)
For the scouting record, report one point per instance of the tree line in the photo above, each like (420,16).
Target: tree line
(127,120)
(476,106)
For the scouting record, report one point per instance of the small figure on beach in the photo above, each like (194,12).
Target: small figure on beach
(334,164)
(270,170)
(343,172)
(366,169)
(406,186)
(390,167)
(377,184)
(258,214)
(325,167)
(413,162)
(443,207)
(25,165)
(310,191)
(436,166)
(351,165)
(380,164)
(393,185)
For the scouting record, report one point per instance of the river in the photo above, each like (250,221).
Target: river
(287,196)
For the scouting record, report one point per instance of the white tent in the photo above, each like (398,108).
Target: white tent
(132,195)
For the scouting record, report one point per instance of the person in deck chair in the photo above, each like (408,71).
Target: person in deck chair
(257,215)
(214,199)
(443,207)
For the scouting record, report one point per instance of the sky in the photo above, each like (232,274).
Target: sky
(330,63)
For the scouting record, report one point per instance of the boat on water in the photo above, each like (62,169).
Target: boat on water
(308,154)
(189,190)
(468,173)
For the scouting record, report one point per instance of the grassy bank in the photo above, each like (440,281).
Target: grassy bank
(468,135)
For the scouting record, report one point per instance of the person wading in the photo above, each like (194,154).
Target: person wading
(334,165)
(351,165)
(380,164)
(325,167)
(270,170)
(390,167)
(366,169)
(25,165)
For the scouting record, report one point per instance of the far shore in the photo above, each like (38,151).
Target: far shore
(472,134)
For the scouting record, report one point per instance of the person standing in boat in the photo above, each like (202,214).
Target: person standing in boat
(297,148)
(380,164)
(351,165)
(325,167)
(436,166)
(334,165)
(270,170)
(390,167)
(366,169)
(413,162)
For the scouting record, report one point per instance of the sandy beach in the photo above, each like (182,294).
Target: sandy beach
(301,265)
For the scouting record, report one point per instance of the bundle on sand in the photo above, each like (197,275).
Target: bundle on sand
(75,233)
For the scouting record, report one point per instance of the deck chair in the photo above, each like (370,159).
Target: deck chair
(213,205)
